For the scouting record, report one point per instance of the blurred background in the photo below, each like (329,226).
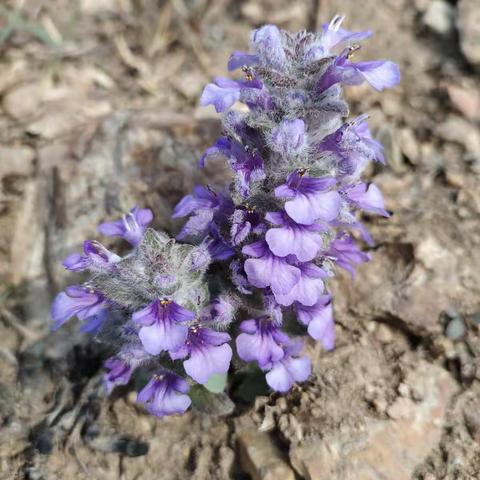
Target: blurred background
(99,112)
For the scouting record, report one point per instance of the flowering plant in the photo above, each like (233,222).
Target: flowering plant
(260,252)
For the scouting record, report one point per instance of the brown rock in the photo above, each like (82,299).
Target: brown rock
(409,145)
(24,100)
(259,456)
(16,161)
(402,408)
(383,448)
(468,22)
(465,100)
(458,130)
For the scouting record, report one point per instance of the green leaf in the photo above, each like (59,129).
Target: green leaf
(209,403)
(216,383)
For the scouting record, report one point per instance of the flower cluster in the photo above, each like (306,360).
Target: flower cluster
(275,234)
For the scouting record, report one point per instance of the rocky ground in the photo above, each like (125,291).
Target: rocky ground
(99,112)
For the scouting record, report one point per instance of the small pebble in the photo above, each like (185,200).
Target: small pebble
(383,334)
(455,329)
(380,405)
(404,390)
(439,17)
(282,404)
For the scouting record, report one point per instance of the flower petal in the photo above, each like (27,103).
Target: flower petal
(204,362)
(162,336)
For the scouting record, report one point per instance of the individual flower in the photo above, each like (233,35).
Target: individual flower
(241,59)
(218,247)
(360,126)
(333,34)
(131,226)
(76,300)
(291,238)
(165,394)
(95,257)
(245,220)
(289,369)
(345,252)
(380,74)
(308,201)
(268,270)
(308,288)
(119,373)
(224,92)
(288,138)
(121,366)
(368,197)
(208,353)
(319,320)
(239,279)
(162,326)
(204,207)
(94,323)
(353,147)
(272,308)
(243,160)
(261,340)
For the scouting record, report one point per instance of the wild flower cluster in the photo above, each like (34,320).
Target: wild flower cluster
(256,256)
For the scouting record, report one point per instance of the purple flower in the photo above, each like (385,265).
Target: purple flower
(203,198)
(292,238)
(288,138)
(121,367)
(239,278)
(76,300)
(308,200)
(94,323)
(261,341)
(208,353)
(333,35)
(268,45)
(223,93)
(361,129)
(319,320)
(165,394)
(119,373)
(205,206)
(268,270)
(290,369)
(162,326)
(218,247)
(272,308)
(379,74)
(308,289)
(95,257)
(131,226)
(245,220)
(353,147)
(368,197)
(345,252)
(241,59)
(244,161)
